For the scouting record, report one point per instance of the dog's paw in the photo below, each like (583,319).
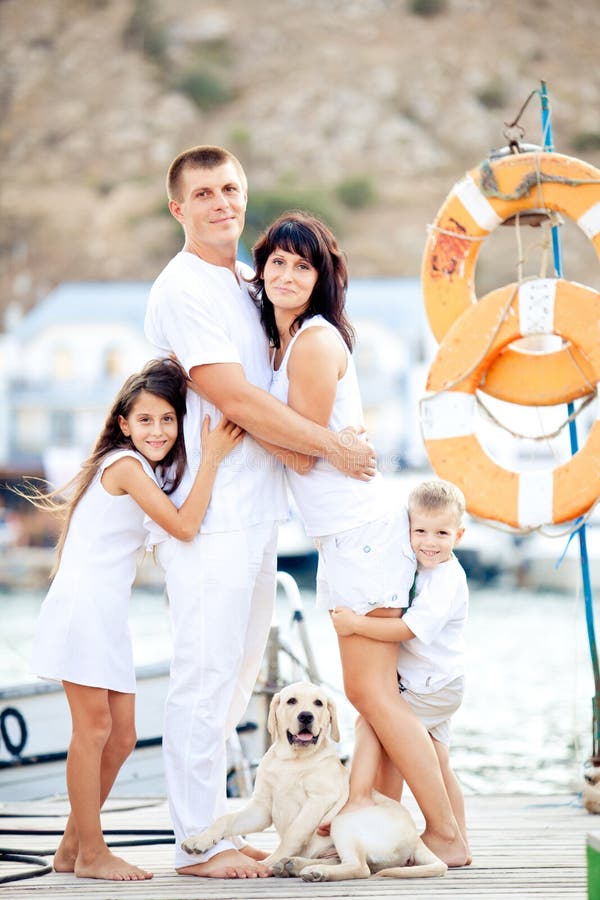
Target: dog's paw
(314,874)
(198,843)
(280,869)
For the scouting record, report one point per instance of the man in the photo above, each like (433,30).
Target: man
(221,586)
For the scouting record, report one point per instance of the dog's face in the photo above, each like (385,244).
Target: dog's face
(300,716)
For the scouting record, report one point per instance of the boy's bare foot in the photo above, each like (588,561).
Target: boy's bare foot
(452,851)
(228,864)
(253,852)
(109,867)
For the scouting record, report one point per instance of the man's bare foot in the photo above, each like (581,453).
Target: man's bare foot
(452,851)
(228,864)
(109,867)
(253,852)
(65,856)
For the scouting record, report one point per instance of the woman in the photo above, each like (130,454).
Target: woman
(365,559)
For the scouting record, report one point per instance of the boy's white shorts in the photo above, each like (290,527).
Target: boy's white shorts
(366,567)
(436,709)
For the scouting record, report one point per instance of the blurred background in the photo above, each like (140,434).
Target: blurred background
(365,112)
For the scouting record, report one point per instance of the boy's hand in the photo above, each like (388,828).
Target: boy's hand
(344,621)
(216,444)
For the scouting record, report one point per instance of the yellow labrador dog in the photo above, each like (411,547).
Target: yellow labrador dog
(301,783)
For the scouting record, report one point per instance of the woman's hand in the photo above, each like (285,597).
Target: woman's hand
(216,444)
(344,621)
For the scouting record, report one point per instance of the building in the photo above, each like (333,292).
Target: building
(62,364)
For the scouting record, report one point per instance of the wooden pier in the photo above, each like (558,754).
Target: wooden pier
(523,847)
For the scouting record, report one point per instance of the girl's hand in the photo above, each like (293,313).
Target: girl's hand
(344,621)
(216,444)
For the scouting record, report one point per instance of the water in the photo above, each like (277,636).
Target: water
(525,725)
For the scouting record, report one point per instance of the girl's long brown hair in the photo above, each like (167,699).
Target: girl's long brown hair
(163,377)
(301,233)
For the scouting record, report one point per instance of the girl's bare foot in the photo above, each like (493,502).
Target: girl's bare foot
(228,864)
(109,867)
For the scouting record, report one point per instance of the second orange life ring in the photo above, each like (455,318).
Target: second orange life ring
(520,499)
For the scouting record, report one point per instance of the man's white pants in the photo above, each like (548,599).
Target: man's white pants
(221,590)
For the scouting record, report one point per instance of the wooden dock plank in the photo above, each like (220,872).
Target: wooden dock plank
(523,847)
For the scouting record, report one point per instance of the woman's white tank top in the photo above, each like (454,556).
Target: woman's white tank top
(328,501)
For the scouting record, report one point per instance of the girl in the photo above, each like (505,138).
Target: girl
(82,637)
(365,559)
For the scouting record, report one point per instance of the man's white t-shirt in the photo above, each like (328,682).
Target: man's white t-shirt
(437,617)
(202,314)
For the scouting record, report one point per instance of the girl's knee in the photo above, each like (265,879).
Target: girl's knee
(122,742)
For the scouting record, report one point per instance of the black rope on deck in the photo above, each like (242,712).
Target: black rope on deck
(42,866)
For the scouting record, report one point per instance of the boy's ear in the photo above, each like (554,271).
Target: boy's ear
(459,535)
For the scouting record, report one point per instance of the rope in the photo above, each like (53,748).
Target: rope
(456,234)
(540,437)
(489,185)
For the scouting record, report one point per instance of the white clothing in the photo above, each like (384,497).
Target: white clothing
(435,710)
(366,567)
(221,586)
(437,617)
(328,501)
(82,632)
(221,590)
(204,315)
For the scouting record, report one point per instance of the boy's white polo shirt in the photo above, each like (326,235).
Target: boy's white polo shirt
(202,314)
(437,617)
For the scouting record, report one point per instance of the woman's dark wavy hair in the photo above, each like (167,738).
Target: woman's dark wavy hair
(301,233)
(163,377)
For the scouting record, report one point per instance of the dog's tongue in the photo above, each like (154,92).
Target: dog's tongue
(304,736)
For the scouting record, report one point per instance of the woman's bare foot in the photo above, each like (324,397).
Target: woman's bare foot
(65,856)
(228,864)
(253,852)
(452,851)
(109,867)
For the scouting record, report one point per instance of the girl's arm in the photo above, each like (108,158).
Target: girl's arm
(377,628)
(127,476)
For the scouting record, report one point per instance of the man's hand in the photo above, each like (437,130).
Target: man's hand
(355,456)
(344,621)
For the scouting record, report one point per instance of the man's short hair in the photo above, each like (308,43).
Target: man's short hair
(436,495)
(205,156)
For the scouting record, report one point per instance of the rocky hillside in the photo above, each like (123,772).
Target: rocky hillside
(366,111)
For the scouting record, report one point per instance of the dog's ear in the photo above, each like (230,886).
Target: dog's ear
(333,719)
(272,719)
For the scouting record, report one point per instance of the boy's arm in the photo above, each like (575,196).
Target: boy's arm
(377,628)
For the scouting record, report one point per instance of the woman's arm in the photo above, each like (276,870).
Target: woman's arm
(127,476)
(377,628)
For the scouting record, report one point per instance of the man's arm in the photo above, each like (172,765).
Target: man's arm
(260,414)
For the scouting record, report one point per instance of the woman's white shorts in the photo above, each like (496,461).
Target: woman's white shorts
(366,567)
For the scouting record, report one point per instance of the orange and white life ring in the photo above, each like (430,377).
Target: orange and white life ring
(476,206)
(448,418)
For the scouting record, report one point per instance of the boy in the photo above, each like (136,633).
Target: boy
(431,636)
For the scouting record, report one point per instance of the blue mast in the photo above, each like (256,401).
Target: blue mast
(581,531)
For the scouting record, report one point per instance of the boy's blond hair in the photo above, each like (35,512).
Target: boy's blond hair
(435,495)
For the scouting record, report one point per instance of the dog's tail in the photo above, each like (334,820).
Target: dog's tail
(425,865)
(430,870)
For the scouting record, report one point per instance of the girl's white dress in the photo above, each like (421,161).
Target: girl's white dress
(83,633)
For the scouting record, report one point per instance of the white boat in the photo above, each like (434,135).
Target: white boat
(35,725)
